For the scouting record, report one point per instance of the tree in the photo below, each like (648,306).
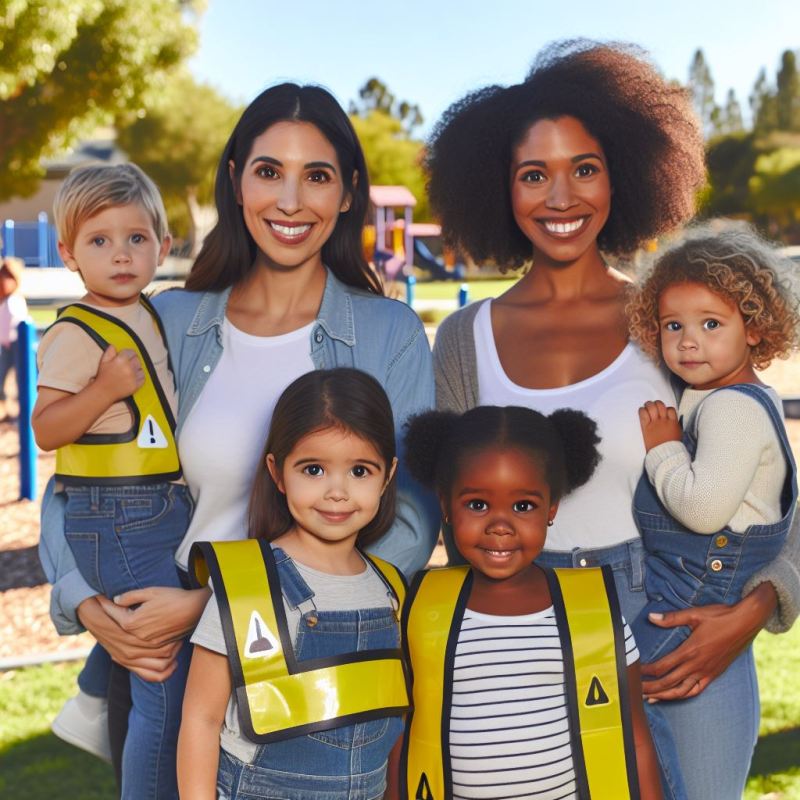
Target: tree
(375,96)
(787,98)
(68,65)
(728,118)
(701,85)
(775,187)
(178,142)
(763,105)
(392,157)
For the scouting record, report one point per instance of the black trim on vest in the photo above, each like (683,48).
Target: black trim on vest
(622,677)
(571,690)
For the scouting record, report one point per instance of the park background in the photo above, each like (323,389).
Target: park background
(162,82)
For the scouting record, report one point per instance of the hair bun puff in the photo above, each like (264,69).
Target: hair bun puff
(578,434)
(424,437)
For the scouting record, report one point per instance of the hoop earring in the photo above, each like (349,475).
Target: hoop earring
(446,519)
(550,523)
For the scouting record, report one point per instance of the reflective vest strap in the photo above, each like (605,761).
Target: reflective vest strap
(278,696)
(595,673)
(392,575)
(431,627)
(119,458)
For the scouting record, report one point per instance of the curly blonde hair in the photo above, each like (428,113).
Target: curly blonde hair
(737,265)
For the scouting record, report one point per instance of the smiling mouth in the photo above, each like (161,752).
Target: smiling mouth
(123,277)
(335,516)
(498,553)
(563,229)
(290,233)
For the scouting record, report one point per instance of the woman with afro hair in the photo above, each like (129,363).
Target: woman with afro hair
(592,156)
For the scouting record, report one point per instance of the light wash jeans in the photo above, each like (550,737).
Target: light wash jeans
(123,538)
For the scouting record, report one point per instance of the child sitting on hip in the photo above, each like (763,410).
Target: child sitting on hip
(297,685)
(525,679)
(720,485)
(106,404)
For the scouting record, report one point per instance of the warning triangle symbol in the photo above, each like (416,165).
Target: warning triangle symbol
(424,789)
(597,694)
(151,436)
(260,639)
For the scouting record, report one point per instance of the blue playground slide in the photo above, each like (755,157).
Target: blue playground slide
(426,260)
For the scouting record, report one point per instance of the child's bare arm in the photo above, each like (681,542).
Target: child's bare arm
(393,771)
(659,424)
(646,760)
(208,689)
(60,418)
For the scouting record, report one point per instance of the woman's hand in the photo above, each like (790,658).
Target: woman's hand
(149,662)
(162,614)
(719,634)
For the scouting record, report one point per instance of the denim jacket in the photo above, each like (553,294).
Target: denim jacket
(354,329)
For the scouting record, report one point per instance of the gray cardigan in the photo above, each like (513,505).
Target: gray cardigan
(456,372)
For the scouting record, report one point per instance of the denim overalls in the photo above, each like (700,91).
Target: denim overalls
(686,569)
(346,763)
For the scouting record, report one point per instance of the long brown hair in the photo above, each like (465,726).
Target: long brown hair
(228,253)
(342,398)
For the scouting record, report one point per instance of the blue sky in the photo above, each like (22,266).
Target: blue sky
(433,52)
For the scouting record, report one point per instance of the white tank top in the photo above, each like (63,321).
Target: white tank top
(598,514)
(221,442)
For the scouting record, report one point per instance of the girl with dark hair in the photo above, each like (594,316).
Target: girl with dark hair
(591,156)
(324,488)
(280,288)
(528,681)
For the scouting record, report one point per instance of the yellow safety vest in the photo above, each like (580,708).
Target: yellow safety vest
(595,672)
(280,697)
(147,452)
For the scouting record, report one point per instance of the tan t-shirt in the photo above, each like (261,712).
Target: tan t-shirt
(68,359)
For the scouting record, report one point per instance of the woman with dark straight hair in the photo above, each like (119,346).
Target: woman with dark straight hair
(280,288)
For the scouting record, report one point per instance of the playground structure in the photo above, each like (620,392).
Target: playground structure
(394,242)
(33,242)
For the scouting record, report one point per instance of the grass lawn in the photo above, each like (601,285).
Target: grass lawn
(36,765)
(448,290)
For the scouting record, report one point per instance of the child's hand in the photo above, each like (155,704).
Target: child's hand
(659,424)
(120,374)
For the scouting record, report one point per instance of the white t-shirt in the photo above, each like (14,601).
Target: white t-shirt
(599,513)
(509,732)
(222,440)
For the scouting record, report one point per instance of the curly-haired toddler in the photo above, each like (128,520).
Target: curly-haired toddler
(720,488)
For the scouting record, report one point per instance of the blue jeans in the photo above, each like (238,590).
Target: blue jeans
(123,538)
(345,763)
(93,678)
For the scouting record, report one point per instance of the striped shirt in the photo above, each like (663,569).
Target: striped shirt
(509,734)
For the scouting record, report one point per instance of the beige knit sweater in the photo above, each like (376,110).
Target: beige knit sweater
(738,470)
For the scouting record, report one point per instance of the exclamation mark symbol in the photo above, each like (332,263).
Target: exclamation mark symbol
(152,432)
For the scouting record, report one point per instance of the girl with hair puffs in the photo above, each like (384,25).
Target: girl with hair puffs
(511,722)
(591,156)
(714,308)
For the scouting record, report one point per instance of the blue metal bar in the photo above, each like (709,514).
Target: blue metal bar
(463,295)
(44,261)
(411,282)
(26,381)
(8,237)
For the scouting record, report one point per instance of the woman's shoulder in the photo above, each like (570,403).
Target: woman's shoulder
(459,324)
(385,310)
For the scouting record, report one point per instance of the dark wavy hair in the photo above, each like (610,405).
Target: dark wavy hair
(343,398)
(563,443)
(228,253)
(646,126)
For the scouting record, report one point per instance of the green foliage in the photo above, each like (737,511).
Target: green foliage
(375,96)
(178,141)
(775,186)
(393,157)
(68,65)
(701,85)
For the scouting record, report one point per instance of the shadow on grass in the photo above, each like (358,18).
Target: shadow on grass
(776,752)
(43,767)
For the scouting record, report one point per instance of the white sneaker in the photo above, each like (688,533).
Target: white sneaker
(83,722)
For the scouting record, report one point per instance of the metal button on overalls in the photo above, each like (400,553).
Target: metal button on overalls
(716,565)
(721,541)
